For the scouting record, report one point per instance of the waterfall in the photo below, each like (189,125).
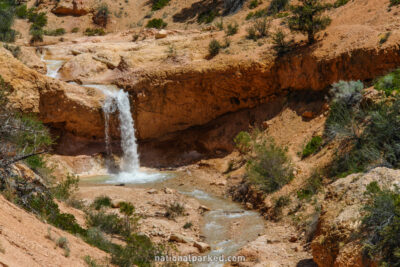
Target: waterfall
(53,66)
(118,100)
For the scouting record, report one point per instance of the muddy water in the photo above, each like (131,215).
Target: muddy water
(227,226)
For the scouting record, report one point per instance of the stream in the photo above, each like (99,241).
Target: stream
(223,214)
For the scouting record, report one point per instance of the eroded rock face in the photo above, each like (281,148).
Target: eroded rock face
(31,59)
(333,243)
(82,67)
(73,7)
(72,109)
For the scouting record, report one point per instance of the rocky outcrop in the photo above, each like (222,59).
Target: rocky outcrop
(31,59)
(72,7)
(172,99)
(334,242)
(70,108)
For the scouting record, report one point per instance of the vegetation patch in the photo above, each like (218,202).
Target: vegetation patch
(7,16)
(14,49)
(382,225)
(174,210)
(156,23)
(277,6)
(101,201)
(259,29)
(213,48)
(207,16)
(312,186)
(94,32)
(312,146)
(159,4)
(102,15)
(339,3)
(389,83)
(56,32)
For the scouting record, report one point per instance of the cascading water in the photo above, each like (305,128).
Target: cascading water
(53,66)
(118,100)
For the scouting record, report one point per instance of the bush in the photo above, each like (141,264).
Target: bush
(339,3)
(243,142)
(213,48)
(21,11)
(101,201)
(254,4)
(94,32)
(312,146)
(101,15)
(389,82)
(276,6)
(307,18)
(159,4)
(174,210)
(109,223)
(384,37)
(281,46)
(312,186)
(56,32)
(75,30)
(15,50)
(66,188)
(232,29)
(39,20)
(381,225)
(187,225)
(62,242)
(7,15)
(259,29)
(219,25)
(269,168)
(257,14)
(279,204)
(394,3)
(156,23)
(207,16)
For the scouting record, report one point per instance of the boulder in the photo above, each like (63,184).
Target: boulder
(82,67)
(31,59)
(180,238)
(161,34)
(203,247)
(334,243)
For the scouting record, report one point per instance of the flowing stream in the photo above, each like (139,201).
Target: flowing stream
(223,214)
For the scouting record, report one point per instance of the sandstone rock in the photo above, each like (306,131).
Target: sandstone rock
(31,59)
(82,67)
(72,7)
(371,95)
(203,247)
(111,58)
(152,191)
(204,208)
(333,243)
(168,190)
(308,114)
(180,238)
(115,203)
(161,34)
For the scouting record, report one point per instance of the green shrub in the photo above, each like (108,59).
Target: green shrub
(394,3)
(109,223)
(219,25)
(269,168)
(174,210)
(281,46)
(213,48)
(66,188)
(339,3)
(384,37)
(156,23)
(75,30)
(187,225)
(14,49)
(254,4)
(279,204)
(101,15)
(389,82)
(243,142)
(56,32)
(101,201)
(207,16)
(381,225)
(312,186)
(159,4)
(91,262)
(62,242)
(257,14)
(232,29)
(21,11)
(307,18)
(312,146)
(259,29)
(94,32)
(276,6)
(7,15)
(38,20)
